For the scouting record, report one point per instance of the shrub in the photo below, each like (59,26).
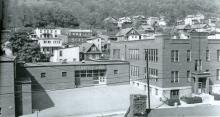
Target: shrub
(216,96)
(171,102)
(191,100)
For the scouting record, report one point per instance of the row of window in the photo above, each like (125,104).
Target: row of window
(63,74)
(51,42)
(175,55)
(80,34)
(134,71)
(134,54)
(84,73)
(47,31)
(152,55)
(90,73)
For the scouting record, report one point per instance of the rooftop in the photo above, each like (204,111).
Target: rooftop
(95,62)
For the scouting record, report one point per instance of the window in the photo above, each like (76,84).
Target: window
(174,56)
(115,71)
(218,74)
(156,91)
(43,75)
(188,75)
(64,74)
(134,54)
(152,55)
(174,76)
(207,55)
(188,55)
(153,73)
(174,94)
(198,65)
(61,53)
(218,55)
(116,53)
(134,71)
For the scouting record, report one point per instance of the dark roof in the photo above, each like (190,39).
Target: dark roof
(95,62)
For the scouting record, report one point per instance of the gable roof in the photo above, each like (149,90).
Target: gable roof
(124,32)
(84,47)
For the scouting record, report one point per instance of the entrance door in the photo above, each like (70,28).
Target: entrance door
(202,85)
(174,94)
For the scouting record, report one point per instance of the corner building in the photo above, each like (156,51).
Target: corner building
(177,67)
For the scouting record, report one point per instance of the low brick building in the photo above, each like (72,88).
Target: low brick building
(50,75)
(177,67)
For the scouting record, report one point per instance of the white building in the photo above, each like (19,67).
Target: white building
(47,33)
(66,54)
(48,45)
(194,19)
(128,34)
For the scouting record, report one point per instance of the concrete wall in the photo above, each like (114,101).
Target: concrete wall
(7,97)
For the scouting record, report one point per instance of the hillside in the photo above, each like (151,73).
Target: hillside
(90,13)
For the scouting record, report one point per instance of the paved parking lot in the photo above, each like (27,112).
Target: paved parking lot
(90,101)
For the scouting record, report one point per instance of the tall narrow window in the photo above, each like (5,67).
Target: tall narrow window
(188,55)
(218,55)
(207,55)
(218,74)
(188,75)
(174,56)
(61,53)
(174,76)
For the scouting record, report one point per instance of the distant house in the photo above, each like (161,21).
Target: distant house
(152,20)
(99,42)
(48,45)
(47,33)
(89,51)
(65,54)
(201,27)
(194,19)
(110,20)
(128,34)
(78,36)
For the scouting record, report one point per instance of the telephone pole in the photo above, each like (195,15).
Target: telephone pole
(148,78)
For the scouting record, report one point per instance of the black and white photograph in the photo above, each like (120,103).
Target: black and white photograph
(110,58)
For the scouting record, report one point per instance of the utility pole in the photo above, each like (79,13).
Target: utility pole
(148,78)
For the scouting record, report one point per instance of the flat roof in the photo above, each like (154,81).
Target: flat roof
(95,62)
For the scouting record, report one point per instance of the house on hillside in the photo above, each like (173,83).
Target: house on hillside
(128,34)
(89,51)
(78,36)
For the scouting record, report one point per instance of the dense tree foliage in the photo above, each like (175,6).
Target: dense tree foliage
(24,48)
(90,13)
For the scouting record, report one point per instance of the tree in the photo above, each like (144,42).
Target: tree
(24,48)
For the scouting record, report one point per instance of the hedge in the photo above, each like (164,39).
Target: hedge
(171,102)
(216,96)
(191,100)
